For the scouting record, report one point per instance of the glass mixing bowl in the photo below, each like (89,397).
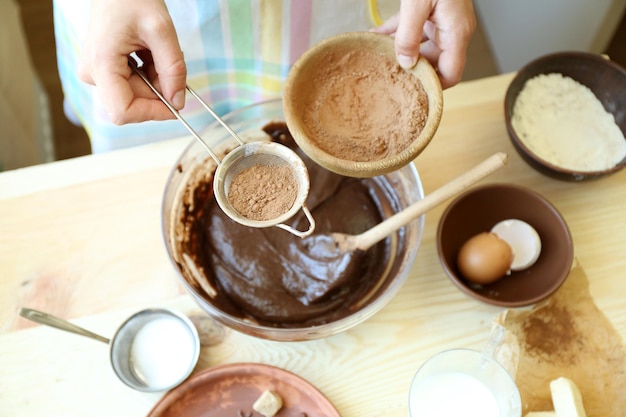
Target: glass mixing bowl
(404,185)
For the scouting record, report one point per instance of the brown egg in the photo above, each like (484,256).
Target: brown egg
(484,258)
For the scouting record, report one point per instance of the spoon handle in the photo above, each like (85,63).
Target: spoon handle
(377,233)
(58,323)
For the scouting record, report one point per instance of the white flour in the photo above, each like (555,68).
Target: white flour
(564,123)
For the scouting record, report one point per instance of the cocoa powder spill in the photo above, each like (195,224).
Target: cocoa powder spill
(263,192)
(568,335)
(551,332)
(362,106)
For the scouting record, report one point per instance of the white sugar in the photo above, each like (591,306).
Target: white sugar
(162,352)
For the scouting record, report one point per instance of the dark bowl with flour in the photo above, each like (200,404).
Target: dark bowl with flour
(266,282)
(603,77)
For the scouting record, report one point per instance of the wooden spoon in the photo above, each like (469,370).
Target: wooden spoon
(340,255)
(365,240)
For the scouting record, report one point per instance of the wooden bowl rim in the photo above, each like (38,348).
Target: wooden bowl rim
(381,44)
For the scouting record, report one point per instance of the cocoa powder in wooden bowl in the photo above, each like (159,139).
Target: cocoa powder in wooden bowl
(353,110)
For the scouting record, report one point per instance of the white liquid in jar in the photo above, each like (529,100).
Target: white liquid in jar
(452,394)
(162,352)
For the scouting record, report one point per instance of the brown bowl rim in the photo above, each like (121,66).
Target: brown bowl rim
(459,282)
(528,71)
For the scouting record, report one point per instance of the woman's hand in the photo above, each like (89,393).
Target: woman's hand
(116,29)
(438,29)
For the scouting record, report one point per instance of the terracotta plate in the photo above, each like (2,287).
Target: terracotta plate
(230,390)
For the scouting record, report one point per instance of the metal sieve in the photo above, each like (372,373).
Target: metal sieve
(267,154)
(246,155)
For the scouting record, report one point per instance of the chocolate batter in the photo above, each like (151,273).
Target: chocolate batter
(270,276)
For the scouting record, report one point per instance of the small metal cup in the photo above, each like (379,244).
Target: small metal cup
(120,345)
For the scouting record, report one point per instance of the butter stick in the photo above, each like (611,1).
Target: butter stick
(566,398)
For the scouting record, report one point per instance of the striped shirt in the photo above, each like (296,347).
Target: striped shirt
(237,52)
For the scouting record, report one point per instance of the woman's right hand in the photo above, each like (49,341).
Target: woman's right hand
(116,29)
(440,30)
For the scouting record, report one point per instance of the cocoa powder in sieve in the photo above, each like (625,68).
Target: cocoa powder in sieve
(362,106)
(263,192)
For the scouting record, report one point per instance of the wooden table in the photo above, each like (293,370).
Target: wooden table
(82,239)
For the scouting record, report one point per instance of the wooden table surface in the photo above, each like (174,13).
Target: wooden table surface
(81,239)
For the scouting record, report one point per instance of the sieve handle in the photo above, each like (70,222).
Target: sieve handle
(297,232)
(176,113)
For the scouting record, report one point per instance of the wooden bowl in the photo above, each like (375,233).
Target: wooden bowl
(340,86)
(478,210)
(605,78)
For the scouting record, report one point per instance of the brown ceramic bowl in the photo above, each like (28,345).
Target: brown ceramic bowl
(349,87)
(478,210)
(605,78)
